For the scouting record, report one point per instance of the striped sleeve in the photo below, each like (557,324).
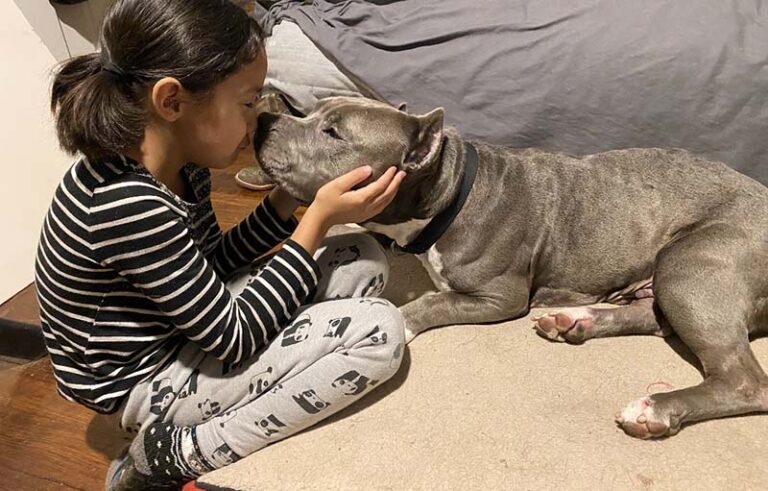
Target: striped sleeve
(253,237)
(141,235)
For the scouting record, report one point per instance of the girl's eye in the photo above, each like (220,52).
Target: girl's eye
(331,131)
(250,105)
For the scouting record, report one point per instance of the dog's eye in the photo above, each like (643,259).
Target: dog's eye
(331,131)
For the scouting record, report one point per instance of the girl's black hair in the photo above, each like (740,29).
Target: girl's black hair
(99,100)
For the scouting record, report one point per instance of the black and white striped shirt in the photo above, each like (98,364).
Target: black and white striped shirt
(127,273)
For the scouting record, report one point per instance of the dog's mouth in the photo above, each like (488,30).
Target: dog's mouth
(268,170)
(263,149)
(274,169)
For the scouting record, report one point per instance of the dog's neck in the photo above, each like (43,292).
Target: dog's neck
(424,194)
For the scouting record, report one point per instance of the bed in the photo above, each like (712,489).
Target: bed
(579,77)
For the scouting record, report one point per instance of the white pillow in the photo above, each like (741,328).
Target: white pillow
(299,70)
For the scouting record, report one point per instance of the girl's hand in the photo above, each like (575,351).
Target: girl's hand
(336,202)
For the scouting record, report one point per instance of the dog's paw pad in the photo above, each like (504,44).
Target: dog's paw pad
(640,420)
(574,325)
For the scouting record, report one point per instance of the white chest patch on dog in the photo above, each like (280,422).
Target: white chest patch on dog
(433,263)
(402,233)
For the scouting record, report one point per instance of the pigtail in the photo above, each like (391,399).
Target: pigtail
(98,112)
(99,100)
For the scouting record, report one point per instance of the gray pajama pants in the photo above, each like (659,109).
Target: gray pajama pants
(333,352)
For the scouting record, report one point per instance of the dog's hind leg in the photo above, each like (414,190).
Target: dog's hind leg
(705,284)
(577,324)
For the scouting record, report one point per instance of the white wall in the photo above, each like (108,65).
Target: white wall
(32,163)
(34,36)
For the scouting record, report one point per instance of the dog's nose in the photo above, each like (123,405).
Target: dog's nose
(265,120)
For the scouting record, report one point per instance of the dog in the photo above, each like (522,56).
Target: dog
(678,243)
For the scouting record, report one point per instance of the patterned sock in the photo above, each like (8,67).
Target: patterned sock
(168,452)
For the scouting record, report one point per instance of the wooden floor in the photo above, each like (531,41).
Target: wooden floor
(47,443)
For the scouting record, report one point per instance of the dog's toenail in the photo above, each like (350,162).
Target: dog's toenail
(642,418)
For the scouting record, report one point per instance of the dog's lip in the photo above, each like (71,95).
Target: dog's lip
(268,168)
(268,165)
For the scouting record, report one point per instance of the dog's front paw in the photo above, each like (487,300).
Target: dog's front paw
(574,325)
(641,419)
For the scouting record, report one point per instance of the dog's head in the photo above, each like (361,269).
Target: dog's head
(340,134)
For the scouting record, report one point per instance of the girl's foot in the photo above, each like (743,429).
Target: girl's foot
(162,457)
(123,476)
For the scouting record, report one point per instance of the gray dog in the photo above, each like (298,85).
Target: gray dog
(680,244)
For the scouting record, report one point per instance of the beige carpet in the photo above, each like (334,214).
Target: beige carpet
(497,407)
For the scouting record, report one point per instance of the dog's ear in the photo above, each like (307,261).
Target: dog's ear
(426,142)
(403,107)
(271,102)
(278,103)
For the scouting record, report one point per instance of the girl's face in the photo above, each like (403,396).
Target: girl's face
(214,131)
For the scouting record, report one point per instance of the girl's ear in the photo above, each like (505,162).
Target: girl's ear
(166,98)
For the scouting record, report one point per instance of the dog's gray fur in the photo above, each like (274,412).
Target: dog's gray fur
(542,229)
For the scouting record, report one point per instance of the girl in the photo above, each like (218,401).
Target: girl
(131,263)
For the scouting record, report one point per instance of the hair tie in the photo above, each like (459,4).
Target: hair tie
(115,70)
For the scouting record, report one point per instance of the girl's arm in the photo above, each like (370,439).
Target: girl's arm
(267,226)
(138,232)
(156,253)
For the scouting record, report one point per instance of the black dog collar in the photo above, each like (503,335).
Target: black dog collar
(440,223)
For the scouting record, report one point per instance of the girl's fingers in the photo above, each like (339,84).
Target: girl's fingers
(389,194)
(353,178)
(374,189)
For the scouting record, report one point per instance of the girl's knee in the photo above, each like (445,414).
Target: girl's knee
(393,322)
(371,249)
(341,250)
(353,265)
(387,336)
(396,331)
(374,266)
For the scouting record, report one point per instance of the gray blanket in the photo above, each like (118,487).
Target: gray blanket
(579,76)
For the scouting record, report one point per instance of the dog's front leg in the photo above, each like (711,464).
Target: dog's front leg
(450,308)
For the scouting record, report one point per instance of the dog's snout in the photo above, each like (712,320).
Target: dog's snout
(266,120)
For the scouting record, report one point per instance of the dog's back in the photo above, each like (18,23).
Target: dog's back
(613,208)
